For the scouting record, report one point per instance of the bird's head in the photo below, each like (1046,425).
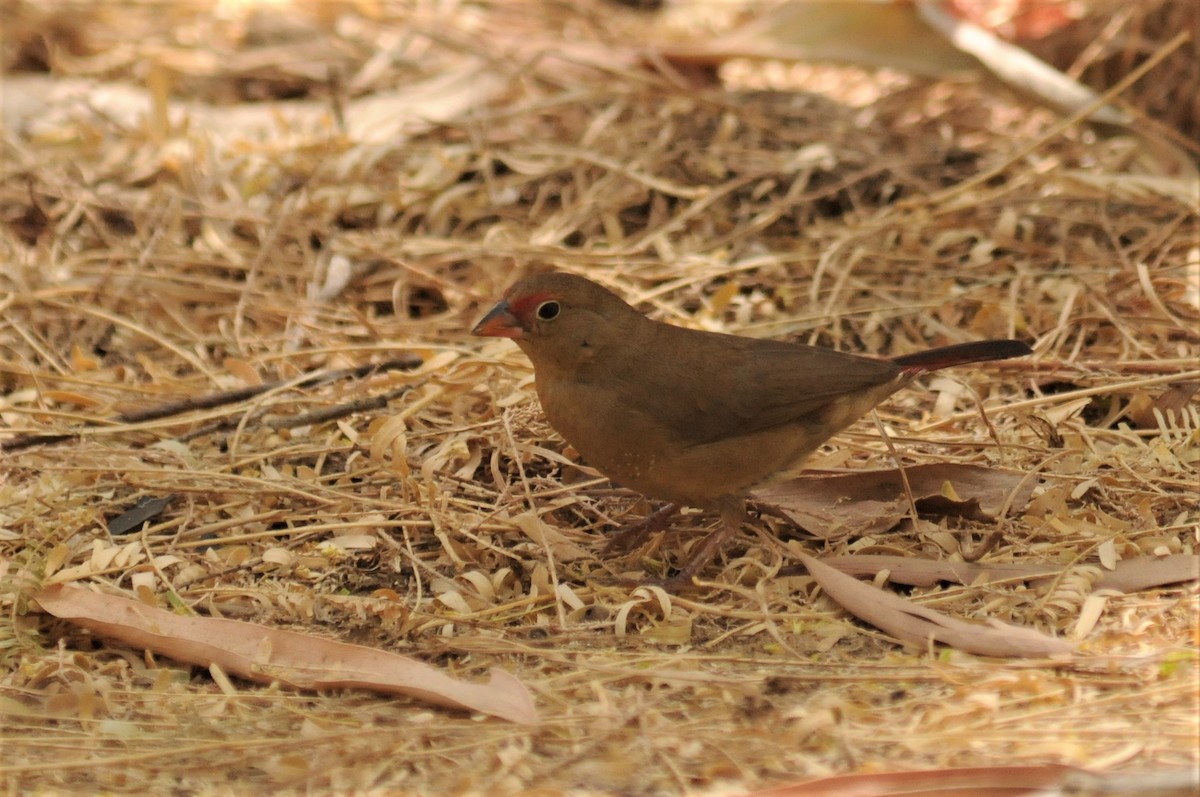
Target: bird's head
(558,319)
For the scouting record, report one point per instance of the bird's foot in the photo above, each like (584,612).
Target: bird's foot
(704,554)
(633,537)
(732,513)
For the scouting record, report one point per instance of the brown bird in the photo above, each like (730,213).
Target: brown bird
(691,417)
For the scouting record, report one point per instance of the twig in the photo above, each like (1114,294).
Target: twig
(211,400)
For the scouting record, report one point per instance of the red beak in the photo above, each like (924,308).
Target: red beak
(499,323)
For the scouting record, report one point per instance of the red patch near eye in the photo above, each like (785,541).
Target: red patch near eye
(524,306)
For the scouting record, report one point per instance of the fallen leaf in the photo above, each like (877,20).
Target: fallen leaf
(546,535)
(1147,572)
(923,38)
(40,105)
(244,370)
(71,397)
(147,508)
(857,504)
(82,361)
(1173,400)
(270,655)
(870,34)
(916,572)
(995,781)
(1129,575)
(1018,67)
(919,625)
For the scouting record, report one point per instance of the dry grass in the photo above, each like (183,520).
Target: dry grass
(146,262)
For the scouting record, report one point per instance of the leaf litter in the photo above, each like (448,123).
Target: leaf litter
(270,655)
(210,263)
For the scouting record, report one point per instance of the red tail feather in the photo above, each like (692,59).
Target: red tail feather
(961,354)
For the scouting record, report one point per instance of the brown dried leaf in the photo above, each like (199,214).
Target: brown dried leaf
(1129,575)
(244,370)
(270,655)
(1174,400)
(857,504)
(72,397)
(918,625)
(82,361)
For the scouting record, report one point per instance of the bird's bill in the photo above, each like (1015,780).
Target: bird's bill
(499,323)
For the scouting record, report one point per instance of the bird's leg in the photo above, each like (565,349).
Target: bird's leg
(631,537)
(733,512)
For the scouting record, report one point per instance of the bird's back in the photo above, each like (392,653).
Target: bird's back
(692,416)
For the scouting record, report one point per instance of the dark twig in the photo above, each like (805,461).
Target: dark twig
(211,400)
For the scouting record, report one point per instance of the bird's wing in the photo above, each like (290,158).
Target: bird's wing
(706,387)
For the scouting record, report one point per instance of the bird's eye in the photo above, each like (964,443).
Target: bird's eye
(548,311)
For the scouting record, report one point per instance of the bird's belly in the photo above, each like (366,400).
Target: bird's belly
(619,442)
(627,447)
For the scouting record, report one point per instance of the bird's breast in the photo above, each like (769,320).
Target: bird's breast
(612,435)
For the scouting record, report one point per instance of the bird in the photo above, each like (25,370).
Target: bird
(692,417)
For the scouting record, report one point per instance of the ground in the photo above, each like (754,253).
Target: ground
(206,198)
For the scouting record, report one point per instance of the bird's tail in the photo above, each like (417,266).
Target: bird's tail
(961,354)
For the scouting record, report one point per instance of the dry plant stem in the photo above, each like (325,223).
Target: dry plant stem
(989,541)
(887,441)
(550,562)
(1067,397)
(1057,130)
(309,418)
(987,422)
(212,400)
(142,331)
(416,564)
(265,249)
(1092,51)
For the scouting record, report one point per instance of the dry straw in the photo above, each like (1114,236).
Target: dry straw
(428,509)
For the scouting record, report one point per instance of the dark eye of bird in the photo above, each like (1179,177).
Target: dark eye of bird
(548,311)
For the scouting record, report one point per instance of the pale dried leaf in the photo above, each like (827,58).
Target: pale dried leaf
(870,34)
(269,655)
(1017,67)
(919,625)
